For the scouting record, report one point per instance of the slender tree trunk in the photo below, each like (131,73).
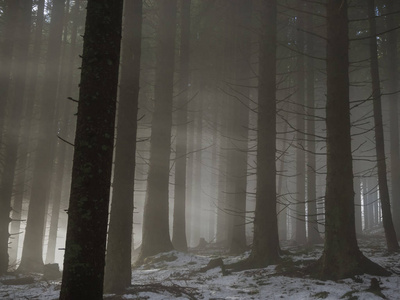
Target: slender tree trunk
(341,257)
(156,237)
(11,136)
(390,233)
(312,224)
(118,260)
(189,175)
(300,127)
(393,114)
(32,252)
(84,258)
(179,223)
(357,205)
(197,205)
(265,249)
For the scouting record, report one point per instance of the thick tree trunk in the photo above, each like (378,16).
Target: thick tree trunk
(11,136)
(341,257)
(84,258)
(179,223)
(32,251)
(155,236)
(265,248)
(390,233)
(118,260)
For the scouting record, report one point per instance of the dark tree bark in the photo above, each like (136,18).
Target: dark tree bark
(118,260)
(156,238)
(300,127)
(179,223)
(341,257)
(84,258)
(312,224)
(390,233)
(393,113)
(11,136)
(32,251)
(265,248)
(243,14)
(20,185)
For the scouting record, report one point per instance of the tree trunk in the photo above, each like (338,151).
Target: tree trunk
(155,236)
(6,55)
(84,258)
(393,113)
(26,132)
(300,127)
(312,224)
(179,223)
(341,257)
(390,233)
(357,205)
(265,248)
(32,251)
(243,14)
(118,260)
(11,136)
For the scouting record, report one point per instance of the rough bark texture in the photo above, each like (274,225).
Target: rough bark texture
(11,135)
(265,248)
(341,257)
(156,238)
(118,260)
(32,251)
(390,233)
(393,113)
(179,223)
(84,258)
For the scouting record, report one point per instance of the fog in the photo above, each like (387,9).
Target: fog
(210,95)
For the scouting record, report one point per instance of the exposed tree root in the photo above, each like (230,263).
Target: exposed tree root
(335,271)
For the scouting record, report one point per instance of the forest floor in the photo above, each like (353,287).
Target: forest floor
(175,275)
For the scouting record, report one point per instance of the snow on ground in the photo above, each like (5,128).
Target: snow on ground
(175,275)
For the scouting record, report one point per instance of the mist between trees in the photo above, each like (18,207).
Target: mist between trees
(228,124)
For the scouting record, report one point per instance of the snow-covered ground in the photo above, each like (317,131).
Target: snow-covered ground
(175,275)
